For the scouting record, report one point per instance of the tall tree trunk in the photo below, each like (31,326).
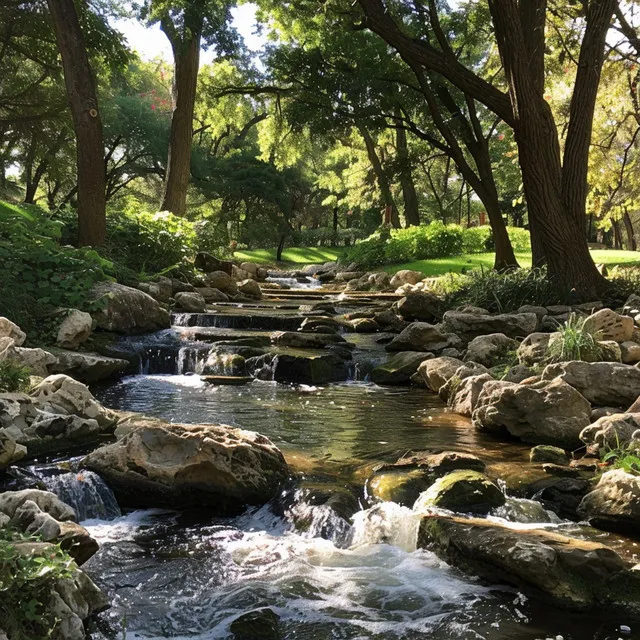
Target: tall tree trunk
(409,195)
(381,176)
(186,59)
(617,236)
(280,249)
(628,225)
(92,220)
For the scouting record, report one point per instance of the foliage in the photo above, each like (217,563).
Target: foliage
(326,237)
(573,342)
(434,240)
(622,456)
(13,376)
(26,581)
(39,275)
(501,368)
(504,292)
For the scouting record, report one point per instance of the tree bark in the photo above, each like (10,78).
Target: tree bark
(381,176)
(628,225)
(409,194)
(92,221)
(186,58)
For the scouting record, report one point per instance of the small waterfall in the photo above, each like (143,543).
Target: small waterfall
(387,523)
(320,521)
(523,511)
(191,360)
(86,492)
(256,322)
(305,282)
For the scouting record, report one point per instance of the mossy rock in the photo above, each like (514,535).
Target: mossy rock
(399,486)
(462,491)
(547,453)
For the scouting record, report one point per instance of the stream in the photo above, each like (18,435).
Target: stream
(192,575)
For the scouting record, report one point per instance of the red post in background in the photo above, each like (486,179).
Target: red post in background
(387,214)
(483,218)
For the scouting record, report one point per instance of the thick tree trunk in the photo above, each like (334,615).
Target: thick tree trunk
(628,225)
(186,57)
(409,194)
(381,176)
(280,249)
(92,222)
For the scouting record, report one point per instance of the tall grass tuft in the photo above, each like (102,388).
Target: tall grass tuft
(573,342)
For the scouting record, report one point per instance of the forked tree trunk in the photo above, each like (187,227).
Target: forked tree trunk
(186,57)
(409,194)
(92,222)
(381,176)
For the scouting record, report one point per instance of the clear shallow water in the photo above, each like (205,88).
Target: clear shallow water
(191,575)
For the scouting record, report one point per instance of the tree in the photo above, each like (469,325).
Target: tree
(92,221)
(555,183)
(188,24)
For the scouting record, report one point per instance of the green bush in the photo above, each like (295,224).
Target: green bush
(13,377)
(38,274)
(503,292)
(26,581)
(520,239)
(477,240)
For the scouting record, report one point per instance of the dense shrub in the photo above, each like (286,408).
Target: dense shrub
(503,292)
(13,376)
(26,581)
(38,274)
(435,240)
(325,237)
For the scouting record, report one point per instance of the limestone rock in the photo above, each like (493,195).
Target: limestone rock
(612,431)
(299,340)
(179,465)
(390,321)
(419,336)
(546,453)
(614,504)
(533,348)
(75,329)
(128,310)
(463,398)
(406,276)
(438,371)
(543,413)
(11,330)
(250,288)
(37,361)
(400,368)
(60,394)
(463,491)
(10,450)
(630,352)
(221,281)
(51,433)
(208,263)
(211,294)
(472,325)
(190,302)
(11,501)
(602,383)
(490,349)
(421,306)
(88,367)
(609,325)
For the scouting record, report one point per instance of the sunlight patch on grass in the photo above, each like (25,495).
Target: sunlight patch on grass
(292,255)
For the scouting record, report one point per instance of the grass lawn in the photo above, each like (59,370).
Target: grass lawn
(293,255)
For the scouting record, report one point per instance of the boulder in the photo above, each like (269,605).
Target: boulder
(11,330)
(463,396)
(542,413)
(612,431)
(206,262)
(178,465)
(533,348)
(546,453)
(630,352)
(222,281)
(610,351)
(11,501)
(601,383)
(437,371)
(419,336)
(212,295)
(609,325)
(60,394)
(569,572)
(225,364)
(75,329)
(421,306)
(190,302)
(38,361)
(406,276)
(50,433)
(541,312)
(463,491)
(365,325)
(472,325)
(128,310)
(302,340)
(614,504)
(250,288)
(88,367)
(309,369)
(489,350)
(400,368)
(10,451)
(390,321)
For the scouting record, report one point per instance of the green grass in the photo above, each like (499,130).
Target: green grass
(456,264)
(292,255)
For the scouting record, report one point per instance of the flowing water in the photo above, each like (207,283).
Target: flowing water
(192,575)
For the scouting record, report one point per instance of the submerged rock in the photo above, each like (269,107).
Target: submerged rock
(400,368)
(261,624)
(177,465)
(542,413)
(466,491)
(570,573)
(309,369)
(128,310)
